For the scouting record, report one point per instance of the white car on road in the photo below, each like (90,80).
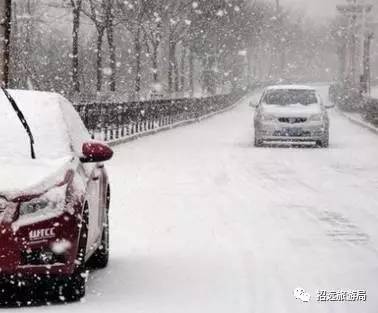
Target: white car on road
(291,114)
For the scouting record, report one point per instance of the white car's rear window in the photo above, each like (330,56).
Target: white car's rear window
(290,96)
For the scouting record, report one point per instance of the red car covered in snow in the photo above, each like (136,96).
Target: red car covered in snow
(54,197)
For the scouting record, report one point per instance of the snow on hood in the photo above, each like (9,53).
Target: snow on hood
(29,177)
(292,110)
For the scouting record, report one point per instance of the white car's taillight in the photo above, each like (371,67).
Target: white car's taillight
(316,118)
(268,117)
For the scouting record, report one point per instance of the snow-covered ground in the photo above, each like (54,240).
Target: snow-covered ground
(204,222)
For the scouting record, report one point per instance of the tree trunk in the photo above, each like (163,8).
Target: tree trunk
(171,63)
(205,76)
(177,74)
(138,55)
(191,72)
(112,50)
(28,40)
(155,74)
(183,67)
(249,67)
(342,57)
(29,67)
(5,31)
(76,11)
(14,51)
(100,39)
(211,79)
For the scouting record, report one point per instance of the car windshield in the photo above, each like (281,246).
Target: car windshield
(43,114)
(290,96)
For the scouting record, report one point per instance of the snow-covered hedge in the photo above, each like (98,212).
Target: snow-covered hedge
(350,100)
(370,110)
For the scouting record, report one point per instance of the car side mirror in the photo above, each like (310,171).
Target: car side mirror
(253,104)
(95,152)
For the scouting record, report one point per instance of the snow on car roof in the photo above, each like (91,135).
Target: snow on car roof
(58,132)
(44,113)
(290,87)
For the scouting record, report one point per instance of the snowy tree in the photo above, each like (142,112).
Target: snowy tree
(132,15)
(101,12)
(76,14)
(177,46)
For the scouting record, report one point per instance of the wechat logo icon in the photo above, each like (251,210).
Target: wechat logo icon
(301,294)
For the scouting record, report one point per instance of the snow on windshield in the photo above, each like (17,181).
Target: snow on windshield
(44,116)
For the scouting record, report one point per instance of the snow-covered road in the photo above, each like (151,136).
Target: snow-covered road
(204,222)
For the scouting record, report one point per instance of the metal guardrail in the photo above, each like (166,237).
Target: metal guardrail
(112,121)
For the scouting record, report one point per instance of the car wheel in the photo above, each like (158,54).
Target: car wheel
(258,142)
(324,143)
(71,289)
(100,258)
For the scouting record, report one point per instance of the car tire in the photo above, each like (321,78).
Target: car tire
(324,143)
(72,289)
(100,257)
(258,142)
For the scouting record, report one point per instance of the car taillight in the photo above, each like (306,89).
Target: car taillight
(3,205)
(7,210)
(51,202)
(316,118)
(268,117)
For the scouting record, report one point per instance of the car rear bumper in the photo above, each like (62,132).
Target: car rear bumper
(47,248)
(288,132)
(290,139)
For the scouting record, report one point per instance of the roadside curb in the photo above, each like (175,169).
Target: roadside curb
(358,122)
(120,141)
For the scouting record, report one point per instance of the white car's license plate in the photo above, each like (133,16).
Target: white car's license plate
(293,132)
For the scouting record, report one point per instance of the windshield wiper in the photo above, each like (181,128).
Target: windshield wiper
(22,120)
